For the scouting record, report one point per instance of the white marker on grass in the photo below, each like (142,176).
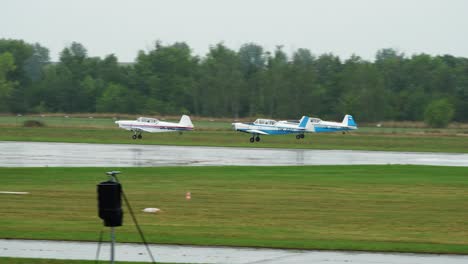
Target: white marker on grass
(151,210)
(2,192)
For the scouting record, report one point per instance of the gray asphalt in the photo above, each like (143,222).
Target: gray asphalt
(39,154)
(190,254)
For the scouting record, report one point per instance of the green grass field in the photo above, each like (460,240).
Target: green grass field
(375,208)
(98,122)
(351,141)
(219,133)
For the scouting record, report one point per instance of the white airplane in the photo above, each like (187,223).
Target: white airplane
(305,125)
(320,126)
(153,125)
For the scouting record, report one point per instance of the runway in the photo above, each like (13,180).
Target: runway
(42,154)
(208,255)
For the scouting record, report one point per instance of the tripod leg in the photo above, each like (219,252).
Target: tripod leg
(112,244)
(98,247)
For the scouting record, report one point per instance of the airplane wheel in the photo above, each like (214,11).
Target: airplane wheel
(298,136)
(252,140)
(134,136)
(140,136)
(344,132)
(302,135)
(257,139)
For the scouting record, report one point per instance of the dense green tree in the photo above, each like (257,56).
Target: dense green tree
(116,99)
(306,92)
(363,93)
(76,81)
(33,66)
(276,85)
(7,65)
(221,82)
(439,113)
(21,52)
(253,63)
(390,64)
(329,68)
(166,75)
(169,80)
(460,97)
(29,60)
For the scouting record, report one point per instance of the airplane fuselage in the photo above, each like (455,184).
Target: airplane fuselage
(277,129)
(152,127)
(326,126)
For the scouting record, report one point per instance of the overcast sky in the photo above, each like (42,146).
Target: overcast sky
(343,27)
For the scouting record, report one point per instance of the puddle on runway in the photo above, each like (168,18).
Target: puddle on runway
(41,154)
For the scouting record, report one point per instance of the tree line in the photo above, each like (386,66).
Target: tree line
(171,80)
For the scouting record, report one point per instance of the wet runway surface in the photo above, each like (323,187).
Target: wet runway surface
(190,254)
(40,154)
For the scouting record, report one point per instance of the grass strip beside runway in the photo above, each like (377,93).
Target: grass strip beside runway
(372,208)
(100,129)
(351,141)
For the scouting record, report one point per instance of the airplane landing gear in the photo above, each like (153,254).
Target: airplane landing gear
(299,136)
(137,135)
(254,138)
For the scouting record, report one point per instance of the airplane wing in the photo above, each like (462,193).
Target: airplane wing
(142,129)
(254,131)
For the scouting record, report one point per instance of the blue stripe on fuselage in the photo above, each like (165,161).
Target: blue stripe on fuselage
(320,129)
(274,132)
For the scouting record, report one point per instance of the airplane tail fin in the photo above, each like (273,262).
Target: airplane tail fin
(185,121)
(348,120)
(303,122)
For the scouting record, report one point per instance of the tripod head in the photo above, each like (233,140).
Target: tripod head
(113,175)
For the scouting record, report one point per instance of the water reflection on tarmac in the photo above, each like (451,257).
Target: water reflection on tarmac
(40,154)
(191,254)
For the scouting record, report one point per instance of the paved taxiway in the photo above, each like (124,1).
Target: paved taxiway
(39,154)
(191,254)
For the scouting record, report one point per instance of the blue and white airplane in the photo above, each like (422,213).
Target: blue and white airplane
(305,125)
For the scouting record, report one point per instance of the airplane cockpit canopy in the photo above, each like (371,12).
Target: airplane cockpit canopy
(315,120)
(148,120)
(265,122)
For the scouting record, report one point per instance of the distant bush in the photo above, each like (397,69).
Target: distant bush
(33,123)
(439,113)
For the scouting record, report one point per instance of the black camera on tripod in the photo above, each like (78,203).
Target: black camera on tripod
(110,201)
